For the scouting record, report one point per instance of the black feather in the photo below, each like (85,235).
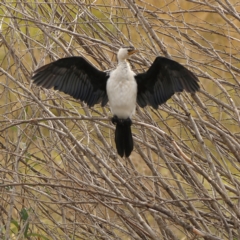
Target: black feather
(76,77)
(119,139)
(162,80)
(123,136)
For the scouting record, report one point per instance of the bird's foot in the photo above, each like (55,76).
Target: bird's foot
(127,121)
(116,120)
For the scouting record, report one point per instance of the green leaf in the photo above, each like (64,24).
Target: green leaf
(24,214)
(26,230)
(15,223)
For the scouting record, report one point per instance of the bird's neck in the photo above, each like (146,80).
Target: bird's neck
(123,64)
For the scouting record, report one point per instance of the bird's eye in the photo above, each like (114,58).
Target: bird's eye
(130,49)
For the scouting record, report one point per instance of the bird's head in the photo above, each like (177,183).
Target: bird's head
(125,52)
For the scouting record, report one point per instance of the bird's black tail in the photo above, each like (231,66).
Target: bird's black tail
(123,136)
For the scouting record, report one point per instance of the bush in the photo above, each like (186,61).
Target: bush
(60,175)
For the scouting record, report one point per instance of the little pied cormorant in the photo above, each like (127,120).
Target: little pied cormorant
(121,87)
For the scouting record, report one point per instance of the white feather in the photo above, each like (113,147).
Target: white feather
(122,90)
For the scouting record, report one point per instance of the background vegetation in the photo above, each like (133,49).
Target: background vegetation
(60,176)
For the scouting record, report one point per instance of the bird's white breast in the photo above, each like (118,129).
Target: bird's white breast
(122,91)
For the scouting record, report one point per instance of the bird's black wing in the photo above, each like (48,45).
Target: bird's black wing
(162,80)
(76,77)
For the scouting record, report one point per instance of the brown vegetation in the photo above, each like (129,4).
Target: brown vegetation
(60,176)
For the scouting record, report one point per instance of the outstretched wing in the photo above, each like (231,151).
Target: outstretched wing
(162,80)
(76,77)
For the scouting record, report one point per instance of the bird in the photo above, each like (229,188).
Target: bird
(121,87)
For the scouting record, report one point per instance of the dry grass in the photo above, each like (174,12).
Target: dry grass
(60,175)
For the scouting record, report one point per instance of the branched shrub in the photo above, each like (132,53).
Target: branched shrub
(60,176)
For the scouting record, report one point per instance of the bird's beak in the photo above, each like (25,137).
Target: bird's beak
(132,52)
